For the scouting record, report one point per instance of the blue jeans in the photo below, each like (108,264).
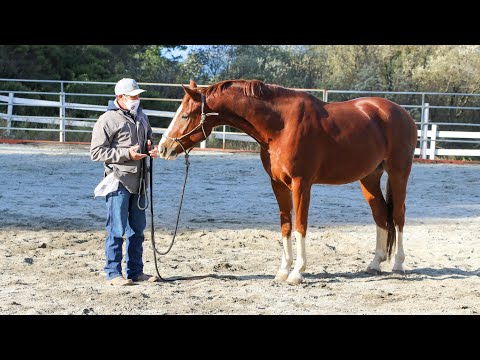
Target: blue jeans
(124,216)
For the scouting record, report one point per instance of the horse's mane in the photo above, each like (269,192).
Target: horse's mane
(254,88)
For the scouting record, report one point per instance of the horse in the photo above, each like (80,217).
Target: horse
(305,141)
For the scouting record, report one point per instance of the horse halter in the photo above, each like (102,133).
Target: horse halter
(203,117)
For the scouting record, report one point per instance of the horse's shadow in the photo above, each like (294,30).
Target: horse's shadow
(443,273)
(418,274)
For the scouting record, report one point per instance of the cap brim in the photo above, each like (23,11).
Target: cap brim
(135,92)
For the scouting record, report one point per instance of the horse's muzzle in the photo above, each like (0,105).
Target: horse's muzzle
(167,153)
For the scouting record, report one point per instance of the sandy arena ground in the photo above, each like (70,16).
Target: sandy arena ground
(228,244)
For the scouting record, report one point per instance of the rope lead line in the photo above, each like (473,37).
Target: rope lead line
(187,163)
(152,227)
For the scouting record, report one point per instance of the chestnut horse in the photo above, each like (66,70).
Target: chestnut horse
(306,141)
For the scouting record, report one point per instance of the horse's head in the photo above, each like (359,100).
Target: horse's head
(188,126)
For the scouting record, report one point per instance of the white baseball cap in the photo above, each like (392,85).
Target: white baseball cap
(127,86)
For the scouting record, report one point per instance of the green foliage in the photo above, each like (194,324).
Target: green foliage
(96,63)
(445,68)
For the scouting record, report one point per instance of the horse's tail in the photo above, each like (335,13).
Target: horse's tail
(391,233)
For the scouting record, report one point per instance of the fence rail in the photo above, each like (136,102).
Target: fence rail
(431,139)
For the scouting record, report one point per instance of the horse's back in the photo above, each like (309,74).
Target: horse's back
(386,109)
(401,129)
(359,134)
(396,122)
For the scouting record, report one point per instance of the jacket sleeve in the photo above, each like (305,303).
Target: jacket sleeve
(100,149)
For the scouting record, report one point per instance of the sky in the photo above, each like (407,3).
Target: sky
(170,54)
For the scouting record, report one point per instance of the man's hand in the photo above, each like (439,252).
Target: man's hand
(134,155)
(153,152)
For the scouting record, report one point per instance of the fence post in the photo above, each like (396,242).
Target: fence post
(424,134)
(62,114)
(431,154)
(9,113)
(325,96)
(422,109)
(224,135)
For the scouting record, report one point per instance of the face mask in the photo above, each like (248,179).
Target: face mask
(132,105)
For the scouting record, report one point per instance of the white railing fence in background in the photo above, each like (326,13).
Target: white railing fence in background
(429,132)
(429,135)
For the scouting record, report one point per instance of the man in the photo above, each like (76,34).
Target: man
(121,138)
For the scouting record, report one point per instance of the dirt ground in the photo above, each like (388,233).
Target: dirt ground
(228,246)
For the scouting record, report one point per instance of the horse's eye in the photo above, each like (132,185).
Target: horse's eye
(184,117)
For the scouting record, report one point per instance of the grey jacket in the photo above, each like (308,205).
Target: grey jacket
(114,132)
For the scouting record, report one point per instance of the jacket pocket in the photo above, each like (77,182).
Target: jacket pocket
(128,169)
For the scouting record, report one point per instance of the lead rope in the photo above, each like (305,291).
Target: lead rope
(187,163)
(142,185)
(152,229)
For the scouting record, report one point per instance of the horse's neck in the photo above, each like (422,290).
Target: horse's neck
(245,118)
(249,128)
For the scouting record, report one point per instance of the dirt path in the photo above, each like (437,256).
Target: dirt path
(51,241)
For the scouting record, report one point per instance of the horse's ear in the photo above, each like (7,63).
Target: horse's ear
(193,93)
(193,84)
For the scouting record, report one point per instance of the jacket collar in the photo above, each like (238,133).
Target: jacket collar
(113,106)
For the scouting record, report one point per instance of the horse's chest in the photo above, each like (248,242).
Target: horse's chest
(279,167)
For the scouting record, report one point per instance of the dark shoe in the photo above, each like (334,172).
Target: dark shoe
(120,281)
(145,277)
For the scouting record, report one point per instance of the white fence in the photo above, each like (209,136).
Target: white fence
(429,132)
(429,135)
(62,121)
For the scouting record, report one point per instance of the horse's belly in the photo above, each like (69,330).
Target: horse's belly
(334,179)
(344,171)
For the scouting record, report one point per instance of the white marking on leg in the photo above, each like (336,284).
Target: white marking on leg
(380,251)
(400,256)
(287,260)
(295,276)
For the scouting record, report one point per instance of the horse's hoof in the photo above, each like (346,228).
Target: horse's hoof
(373,271)
(281,276)
(399,271)
(295,279)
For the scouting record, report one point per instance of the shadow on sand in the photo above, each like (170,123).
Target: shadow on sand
(419,274)
(219,276)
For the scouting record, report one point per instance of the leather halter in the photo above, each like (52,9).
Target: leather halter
(203,117)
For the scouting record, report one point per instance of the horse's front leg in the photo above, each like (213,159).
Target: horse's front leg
(301,202)
(284,199)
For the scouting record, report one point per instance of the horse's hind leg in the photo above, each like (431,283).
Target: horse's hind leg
(398,181)
(373,194)
(301,201)
(284,199)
